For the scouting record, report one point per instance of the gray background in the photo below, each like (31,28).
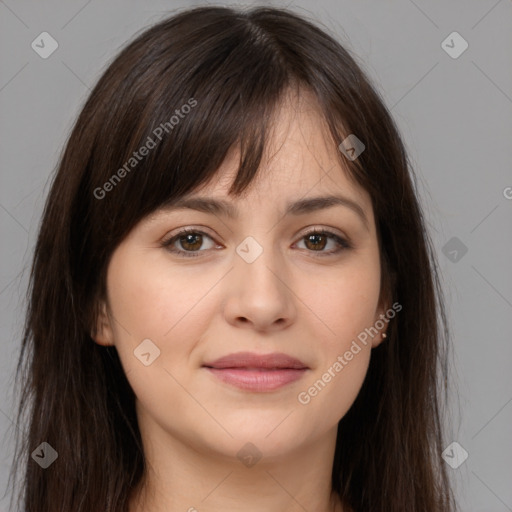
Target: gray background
(456,119)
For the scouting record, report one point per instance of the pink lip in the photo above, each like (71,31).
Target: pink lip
(255,372)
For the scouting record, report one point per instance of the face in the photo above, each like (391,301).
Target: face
(257,283)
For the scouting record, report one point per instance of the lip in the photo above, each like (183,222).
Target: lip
(257,372)
(275,360)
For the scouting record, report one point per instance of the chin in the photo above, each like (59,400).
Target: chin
(272,436)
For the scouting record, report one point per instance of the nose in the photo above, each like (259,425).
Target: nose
(260,293)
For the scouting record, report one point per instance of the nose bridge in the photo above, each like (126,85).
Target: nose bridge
(258,259)
(259,293)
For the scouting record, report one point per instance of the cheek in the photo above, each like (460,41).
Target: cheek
(151,300)
(149,296)
(344,300)
(343,359)
(345,304)
(330,393)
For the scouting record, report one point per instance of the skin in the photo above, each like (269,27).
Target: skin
(290,299)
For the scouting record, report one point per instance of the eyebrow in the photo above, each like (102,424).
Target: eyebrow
(300,207)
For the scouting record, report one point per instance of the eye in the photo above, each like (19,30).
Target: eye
(189,239)
(316,240)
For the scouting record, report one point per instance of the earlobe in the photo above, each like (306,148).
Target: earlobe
(382,325)
(377,340)
(102,330)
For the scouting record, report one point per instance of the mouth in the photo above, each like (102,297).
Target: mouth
(258,373)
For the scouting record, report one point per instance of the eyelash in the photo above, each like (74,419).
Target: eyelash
(168,244)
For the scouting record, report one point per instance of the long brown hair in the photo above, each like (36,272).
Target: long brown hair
(235,65)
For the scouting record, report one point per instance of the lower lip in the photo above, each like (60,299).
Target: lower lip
(258,380)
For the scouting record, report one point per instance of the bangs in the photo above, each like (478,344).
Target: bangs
(188,118)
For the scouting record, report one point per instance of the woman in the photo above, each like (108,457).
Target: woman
(234,300)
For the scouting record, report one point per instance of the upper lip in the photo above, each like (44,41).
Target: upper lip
(251,360)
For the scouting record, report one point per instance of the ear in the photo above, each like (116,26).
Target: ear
(102,331)
(382,321)
(382,334)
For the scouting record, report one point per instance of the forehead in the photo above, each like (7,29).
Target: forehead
(300,159)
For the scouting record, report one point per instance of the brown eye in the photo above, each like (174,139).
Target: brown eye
(189,242)
(316,241)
